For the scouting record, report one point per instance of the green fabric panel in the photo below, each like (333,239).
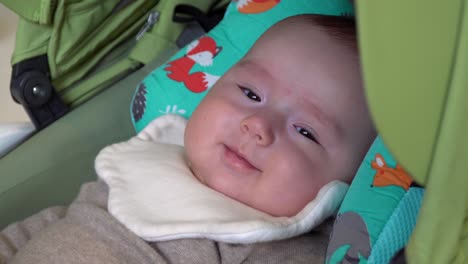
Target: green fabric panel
(166,31)
(85,32)
(108,71)
(90,87)
(147,49)
(407,56)
(441,234)
(48,168)
(142,51)
(37,11)
(76,28)
(31,40)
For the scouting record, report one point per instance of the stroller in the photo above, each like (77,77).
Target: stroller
(414,75)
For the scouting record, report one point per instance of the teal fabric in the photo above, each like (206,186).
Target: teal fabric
(178,86)
(371,200)
(398,229)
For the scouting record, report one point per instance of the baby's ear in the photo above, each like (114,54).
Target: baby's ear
(165,129)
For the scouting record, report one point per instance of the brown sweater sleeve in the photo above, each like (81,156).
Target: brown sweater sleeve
(17,234)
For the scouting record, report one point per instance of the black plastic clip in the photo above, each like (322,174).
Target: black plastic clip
(31,87)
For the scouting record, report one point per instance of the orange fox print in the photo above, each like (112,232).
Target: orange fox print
(201,52)
(255,6)
(386,176)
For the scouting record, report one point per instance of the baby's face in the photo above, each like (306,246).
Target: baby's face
(283,122)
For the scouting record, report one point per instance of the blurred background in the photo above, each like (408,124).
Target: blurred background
(10,112)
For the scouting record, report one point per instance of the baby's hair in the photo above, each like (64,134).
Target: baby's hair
(342,28)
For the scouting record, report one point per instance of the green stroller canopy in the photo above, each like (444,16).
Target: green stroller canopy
(415,60)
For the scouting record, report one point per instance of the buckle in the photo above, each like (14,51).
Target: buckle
(32,87)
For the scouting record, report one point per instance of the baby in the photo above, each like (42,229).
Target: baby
(286,120)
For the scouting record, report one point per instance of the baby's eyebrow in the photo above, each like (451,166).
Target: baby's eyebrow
(254,68)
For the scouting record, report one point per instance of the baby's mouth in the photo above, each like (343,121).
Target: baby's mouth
(237,160)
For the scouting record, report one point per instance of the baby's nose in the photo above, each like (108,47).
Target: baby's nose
(258,128)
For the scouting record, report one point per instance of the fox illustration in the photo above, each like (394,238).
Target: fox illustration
(386,176)
(201,52)
(255,6)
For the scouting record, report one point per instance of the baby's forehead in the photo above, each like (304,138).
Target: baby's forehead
(291,26)
(284,41)
(311,29)
(253,67)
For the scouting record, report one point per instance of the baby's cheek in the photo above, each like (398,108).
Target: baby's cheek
(345,164)
(310,173)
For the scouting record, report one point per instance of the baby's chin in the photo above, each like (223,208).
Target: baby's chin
(273,208)
(277,211)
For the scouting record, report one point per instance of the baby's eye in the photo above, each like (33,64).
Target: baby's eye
(251,95)
(306,133)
